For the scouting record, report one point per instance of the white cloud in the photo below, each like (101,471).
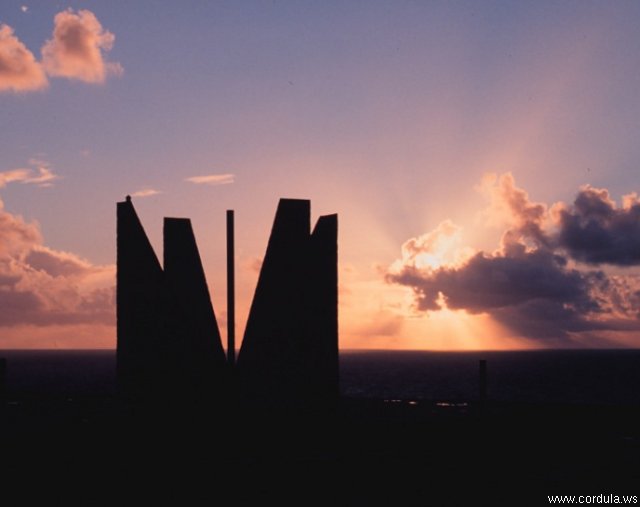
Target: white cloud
(212,179)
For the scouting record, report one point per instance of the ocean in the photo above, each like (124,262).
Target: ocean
(550,376)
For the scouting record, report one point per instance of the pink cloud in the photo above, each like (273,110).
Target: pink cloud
(77,48)
(16,236)
(42,176)
(13,176)
(146,192)
(19,70)
(42,287)
(212,179)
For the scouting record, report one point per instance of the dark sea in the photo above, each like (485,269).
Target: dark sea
(550,376)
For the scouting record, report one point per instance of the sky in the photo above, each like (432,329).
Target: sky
(482,157)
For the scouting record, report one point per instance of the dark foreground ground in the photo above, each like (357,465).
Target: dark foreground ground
(95,450)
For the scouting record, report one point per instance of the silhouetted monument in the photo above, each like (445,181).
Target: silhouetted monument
(168,337)
(322,325)
(290,347)
(199,359)
(142,355)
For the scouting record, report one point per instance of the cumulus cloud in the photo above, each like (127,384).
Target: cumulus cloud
(212,179)
(531,283)
(596,231)
(510,206)
(435,248)
(146,192)
(19,69)
(593,229)
(40,286)
(16,236)
(41,175)
(77,48)
(494,281)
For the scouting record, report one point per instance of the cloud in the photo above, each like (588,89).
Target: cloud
(530,283)
(77,49)
(41,176)
(435,248)
(596,231)
(43,179)
(490,281)
(16,236)
(510,206)
(56,263)
(212,179)
(19,70)
(14,175)
(40,286)
(534,293)
(147,192)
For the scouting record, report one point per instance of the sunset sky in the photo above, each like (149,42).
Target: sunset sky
(482,157)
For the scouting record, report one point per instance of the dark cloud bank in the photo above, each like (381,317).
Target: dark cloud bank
(595,231)
(551,277)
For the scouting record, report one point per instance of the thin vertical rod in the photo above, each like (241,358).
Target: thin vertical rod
(231,292)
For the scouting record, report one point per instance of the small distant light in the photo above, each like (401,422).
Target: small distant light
(24,8)
(451,404)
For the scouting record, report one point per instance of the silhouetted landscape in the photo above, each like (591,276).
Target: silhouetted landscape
(408,427)
(171,417)
(339,253)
